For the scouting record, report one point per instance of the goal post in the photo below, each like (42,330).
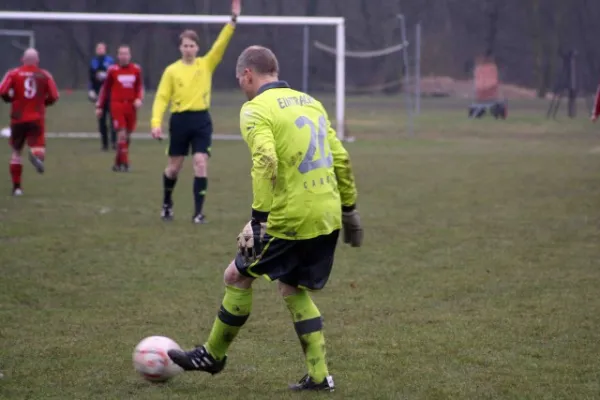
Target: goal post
(337,22)
(30,35)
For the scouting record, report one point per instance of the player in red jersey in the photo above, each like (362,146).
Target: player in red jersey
(29,89)
(596,110)
(124,83)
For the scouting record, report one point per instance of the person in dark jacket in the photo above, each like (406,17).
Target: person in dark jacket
(98,71)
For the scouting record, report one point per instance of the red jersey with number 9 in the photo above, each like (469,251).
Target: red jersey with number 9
(29,89)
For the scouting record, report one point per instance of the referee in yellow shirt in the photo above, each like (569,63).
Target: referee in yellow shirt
(186,84)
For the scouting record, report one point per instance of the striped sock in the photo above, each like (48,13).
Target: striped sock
(309,328)
(233,314)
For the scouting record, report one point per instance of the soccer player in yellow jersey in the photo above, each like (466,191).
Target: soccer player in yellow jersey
(186,84)
(304,193)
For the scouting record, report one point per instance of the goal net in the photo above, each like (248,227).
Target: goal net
(12,44)
(66,43)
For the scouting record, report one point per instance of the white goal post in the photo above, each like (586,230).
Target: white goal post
(337,22)
(20,33)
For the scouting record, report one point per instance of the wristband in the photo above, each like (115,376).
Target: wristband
(260,216)
(348,208)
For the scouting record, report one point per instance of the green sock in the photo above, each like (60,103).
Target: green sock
(232,315)
(309,327)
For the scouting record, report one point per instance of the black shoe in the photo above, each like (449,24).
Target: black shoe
(306,383)
(197,360)
(167,212)
(36,162)
(199,219)
(116,168)
(104,147)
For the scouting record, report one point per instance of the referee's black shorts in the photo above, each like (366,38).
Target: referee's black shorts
(190,130)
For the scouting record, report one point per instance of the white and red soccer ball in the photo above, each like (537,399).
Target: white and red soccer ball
(150,359)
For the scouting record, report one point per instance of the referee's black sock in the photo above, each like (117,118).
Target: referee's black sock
(168,186)
(200,185)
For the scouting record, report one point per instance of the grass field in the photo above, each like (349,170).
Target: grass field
(478,279)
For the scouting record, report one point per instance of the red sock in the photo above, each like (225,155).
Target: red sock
(122,153)
(15,173)
(39,154)
(124,150)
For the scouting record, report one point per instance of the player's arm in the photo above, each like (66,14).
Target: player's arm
(343,170)
(162,98)
(353,231)
(104,90)
(52,95)
(92,95)
(215,54)
(596,110)
(257,132)
(92,75)
(139,85)
(5,86)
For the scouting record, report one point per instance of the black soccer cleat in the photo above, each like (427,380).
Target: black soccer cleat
(198,359)
(199,219)
(36,162)
(167,212)
(306,383)
(116,168)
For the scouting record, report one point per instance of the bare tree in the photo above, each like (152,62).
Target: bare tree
(524,35)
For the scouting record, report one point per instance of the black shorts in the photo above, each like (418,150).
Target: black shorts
(190,130)
(305,264)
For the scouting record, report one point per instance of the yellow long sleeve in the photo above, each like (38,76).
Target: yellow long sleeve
(216,52)
(162,99)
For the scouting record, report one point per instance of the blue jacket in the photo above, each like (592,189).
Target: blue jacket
(98,67)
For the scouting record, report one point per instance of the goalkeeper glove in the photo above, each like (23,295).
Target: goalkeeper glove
(353,231)
(250,241)
(92,95)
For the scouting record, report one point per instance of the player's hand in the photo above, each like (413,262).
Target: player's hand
(353,231)
(236,8)
(251,240)
(92,96)
(98,112)
(137,103)
(157,133)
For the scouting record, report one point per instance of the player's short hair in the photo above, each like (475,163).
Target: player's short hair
(259,59)
(189,34)
(124,46)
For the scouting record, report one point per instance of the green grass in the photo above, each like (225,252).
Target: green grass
(367,117)
(478,278)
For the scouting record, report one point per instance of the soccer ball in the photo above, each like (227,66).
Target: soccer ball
(150,359)
(5,132)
